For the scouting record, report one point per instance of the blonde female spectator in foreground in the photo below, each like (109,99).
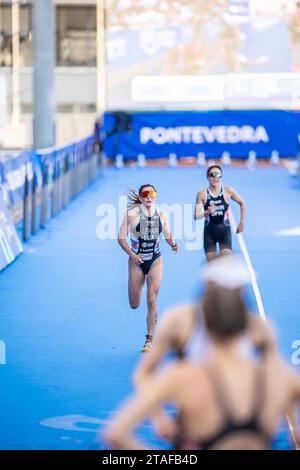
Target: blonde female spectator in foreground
(229,400)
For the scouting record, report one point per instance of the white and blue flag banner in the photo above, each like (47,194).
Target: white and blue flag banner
(10,245)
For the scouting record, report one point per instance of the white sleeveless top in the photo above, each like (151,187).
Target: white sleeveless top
(199,344)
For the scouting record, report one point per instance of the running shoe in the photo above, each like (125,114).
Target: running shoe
(147,346)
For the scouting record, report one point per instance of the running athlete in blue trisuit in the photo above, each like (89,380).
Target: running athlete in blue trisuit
(213,205)
(145,224)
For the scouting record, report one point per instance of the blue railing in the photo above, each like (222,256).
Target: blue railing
(37,185)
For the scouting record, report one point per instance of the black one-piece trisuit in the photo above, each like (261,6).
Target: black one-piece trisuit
(145,239)
(217,226)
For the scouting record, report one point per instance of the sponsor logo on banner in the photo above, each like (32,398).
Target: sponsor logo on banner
(10,245)
(16,178)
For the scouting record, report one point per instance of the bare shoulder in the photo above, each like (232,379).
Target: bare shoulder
(229,189)
(201,194)
(176,324)
(291,375)
(283,372)
(132,213)
(179,315)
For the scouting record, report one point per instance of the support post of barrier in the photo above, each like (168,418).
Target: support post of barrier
(45,194)
(90,168)
(251,162)
(119,161)
(66,196)
(85,172)
(26,210)
(76,177)
(226,159)
(173,160)
(101,162)
(82,174)
(69,179)
(141,160)
(79,175)
(87,166)
(61,185)
(35,203)
(58,184)
(275,160)
(201,160)
(96,167)
(97,163)
(71,176)
(54,191)
(58,187)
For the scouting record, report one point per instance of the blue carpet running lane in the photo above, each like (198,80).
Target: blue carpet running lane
(71,338)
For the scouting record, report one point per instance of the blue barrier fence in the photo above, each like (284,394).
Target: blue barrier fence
(35,186)
(186,133)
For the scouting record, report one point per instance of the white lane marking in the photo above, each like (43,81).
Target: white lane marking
(291,232)
(254,283)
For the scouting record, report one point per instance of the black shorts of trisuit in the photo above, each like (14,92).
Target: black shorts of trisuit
(147,265)
(217,233)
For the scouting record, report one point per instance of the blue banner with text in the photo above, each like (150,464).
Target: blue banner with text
(186,133)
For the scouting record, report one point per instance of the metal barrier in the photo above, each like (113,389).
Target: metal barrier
(26,210)
(66,172)
(59,175)
(35,186)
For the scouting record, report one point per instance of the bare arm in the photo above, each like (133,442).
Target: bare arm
(123,233)
(261,334)
(119,433)
(172,331)
(292,417)
(199,212)
(292,411)
(167,232)
(237,198)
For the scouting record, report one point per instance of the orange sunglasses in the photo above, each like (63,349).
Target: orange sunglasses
(150,193)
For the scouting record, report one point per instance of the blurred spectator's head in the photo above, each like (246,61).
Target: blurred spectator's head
(224,308)
(225,312)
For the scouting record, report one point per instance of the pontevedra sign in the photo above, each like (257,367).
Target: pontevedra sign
(186,133)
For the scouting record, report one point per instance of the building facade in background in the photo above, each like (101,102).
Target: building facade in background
(160,55)
(75,74)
